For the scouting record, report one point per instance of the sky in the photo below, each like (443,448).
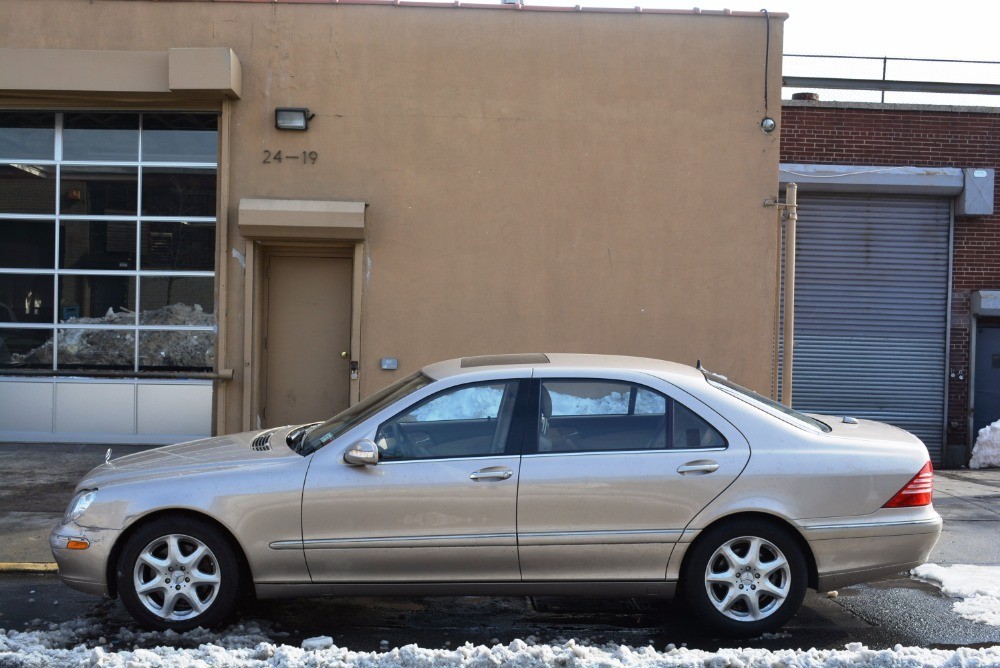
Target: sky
(958,29)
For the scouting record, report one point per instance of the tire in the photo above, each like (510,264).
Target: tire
(745,577)
(178,573)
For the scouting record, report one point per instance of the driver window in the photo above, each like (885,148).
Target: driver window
(466,421)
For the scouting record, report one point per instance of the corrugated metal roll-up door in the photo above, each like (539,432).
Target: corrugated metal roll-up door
(871,299)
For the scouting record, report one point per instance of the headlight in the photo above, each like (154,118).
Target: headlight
(78,506)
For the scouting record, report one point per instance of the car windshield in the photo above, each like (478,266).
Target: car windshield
(764,403)
(359,412)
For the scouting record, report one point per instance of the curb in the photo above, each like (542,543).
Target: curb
(27,567)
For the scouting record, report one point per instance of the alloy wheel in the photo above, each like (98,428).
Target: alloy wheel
(176,577)
(747,578)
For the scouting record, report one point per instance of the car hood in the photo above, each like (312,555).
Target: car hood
(247,450)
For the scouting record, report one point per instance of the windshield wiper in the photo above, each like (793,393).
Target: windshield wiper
(296,437)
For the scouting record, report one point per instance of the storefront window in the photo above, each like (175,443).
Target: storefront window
(27,136)
(177,191)
(177,300)
(26,243)
(97,244)
(27,188)
(116,270)
(185,245)
(179,138)
(104,137)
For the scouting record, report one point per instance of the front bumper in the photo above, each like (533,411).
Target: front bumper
(83,569)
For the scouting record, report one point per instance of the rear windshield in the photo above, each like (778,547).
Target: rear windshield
(359,412)
(764,403)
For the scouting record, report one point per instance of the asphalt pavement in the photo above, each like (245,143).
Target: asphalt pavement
(36,485)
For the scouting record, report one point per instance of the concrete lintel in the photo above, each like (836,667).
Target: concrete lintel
(206,70)
(986,303)
(301,219)
(934,181)
(209,72)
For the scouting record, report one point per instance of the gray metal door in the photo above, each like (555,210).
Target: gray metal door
(871,305)
(986,409)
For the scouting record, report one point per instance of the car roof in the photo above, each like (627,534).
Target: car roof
(581,363)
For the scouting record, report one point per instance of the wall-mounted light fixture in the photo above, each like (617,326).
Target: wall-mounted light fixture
(292,118)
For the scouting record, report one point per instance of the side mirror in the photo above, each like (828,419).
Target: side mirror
(362,453)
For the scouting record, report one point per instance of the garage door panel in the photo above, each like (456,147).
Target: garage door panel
(871,299)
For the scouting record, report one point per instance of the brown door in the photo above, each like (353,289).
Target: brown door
(307,339)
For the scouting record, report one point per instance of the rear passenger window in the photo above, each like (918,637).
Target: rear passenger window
(691,431)
(600,415)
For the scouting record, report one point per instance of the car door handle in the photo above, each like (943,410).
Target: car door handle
(701,466)
(490,474)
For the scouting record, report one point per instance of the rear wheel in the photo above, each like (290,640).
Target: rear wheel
(178,573)
(745,577)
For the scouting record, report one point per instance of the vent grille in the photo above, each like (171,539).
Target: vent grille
(262,443)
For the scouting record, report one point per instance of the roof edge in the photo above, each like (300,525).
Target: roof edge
(891,106)
(518,6)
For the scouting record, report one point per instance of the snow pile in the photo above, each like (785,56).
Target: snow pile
(614,403)
(470,403)
(986,452)
(977,586)
(116,347)
(41,648)
(317,644)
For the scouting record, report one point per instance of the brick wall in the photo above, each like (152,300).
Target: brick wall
(890,136)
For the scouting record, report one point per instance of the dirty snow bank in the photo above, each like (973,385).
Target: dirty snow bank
(977,586)
(242,647)
(986,452)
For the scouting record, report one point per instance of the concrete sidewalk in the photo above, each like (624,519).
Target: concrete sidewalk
(37,482)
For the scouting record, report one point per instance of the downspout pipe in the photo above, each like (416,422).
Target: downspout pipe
(791,216)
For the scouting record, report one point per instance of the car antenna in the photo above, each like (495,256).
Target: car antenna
(698,366)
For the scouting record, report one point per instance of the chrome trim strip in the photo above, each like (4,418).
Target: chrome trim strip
(477,458)
(873,525)
(657,451)
(615,537)
(644,536)
(460,540)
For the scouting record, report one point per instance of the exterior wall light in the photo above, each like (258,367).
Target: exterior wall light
(292,118)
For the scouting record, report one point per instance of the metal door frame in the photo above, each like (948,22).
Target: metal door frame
(971,418)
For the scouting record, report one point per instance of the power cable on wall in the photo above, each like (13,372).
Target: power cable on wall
(767,123)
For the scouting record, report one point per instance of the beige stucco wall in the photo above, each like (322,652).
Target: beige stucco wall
(561,181)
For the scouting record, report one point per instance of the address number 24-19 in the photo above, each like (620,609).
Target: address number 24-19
(306,157)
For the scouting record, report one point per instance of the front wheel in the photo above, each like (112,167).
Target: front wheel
(178,573)
(745,577)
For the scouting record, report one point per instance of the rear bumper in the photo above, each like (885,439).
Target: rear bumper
(847,555)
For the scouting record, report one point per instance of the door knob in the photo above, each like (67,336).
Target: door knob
(344,354)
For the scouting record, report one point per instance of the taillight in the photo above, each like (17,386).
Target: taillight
(917,492)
